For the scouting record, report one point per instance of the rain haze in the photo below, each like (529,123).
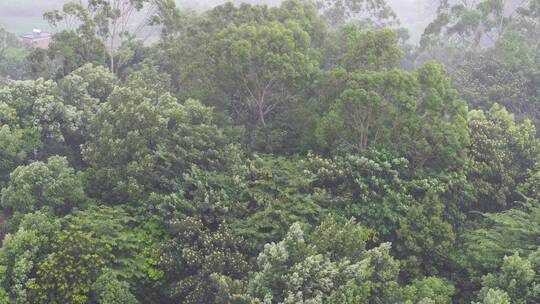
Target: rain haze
(270,151)
(21,16)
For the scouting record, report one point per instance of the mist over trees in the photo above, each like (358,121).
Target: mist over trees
(298,152)
(14,15)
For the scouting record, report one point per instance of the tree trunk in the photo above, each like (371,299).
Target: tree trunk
(262,120)
(111,61)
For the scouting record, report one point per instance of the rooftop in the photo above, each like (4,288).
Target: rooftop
(37,35)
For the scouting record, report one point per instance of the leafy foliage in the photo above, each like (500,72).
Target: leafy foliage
(294,270)
(496,169)
(20,253)
(144,142)
(194,255)
(109,290)
(501,234)
(51,186)
(300,153)
(515,283)
(394,109)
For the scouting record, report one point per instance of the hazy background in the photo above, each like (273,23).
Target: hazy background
(21,16)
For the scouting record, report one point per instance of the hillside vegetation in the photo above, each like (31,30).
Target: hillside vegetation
(303,153)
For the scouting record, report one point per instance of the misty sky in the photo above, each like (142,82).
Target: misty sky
(21,16)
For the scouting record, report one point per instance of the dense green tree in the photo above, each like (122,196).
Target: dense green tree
(371,188)
(515,283)
(501,152)
(17,145)
(67,273)
(97,81)
(531,186)
(259,199)
(192,258)
(147,76)
(38,107)
(259,87)
(485,81)
(498,235)
(428,290)
(363,117)
(120,233)
(68,52)
(353,48)
(493,296)
(144,141)
(13,64)
(39,65)
(277,193)
(416,113)
(109,290)
(263,64)
(82,91)
(444,134)
(184,48)
(89,243)
(51,186)
(331,265)
(425,238)
(378,189)
(21,252)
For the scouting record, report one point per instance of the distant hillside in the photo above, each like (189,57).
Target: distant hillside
(24,15)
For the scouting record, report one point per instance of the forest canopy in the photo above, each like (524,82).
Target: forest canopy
(300,153)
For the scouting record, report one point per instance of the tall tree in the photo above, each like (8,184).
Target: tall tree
(107,21)
(417,113)
(261,66)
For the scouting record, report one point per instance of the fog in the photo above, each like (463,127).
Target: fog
(415,15)
(20,16)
